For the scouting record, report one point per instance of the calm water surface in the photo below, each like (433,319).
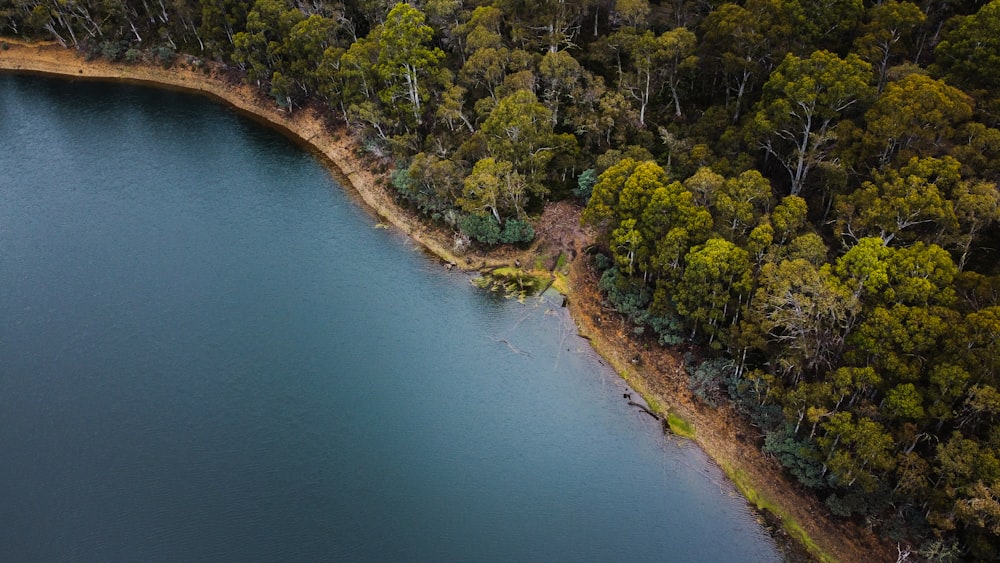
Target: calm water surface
(207,352)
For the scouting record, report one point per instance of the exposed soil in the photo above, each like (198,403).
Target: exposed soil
(656,372)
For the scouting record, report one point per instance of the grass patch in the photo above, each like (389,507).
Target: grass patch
(680,426)
(514,282)
(561,262)
(763,503)
(560,283)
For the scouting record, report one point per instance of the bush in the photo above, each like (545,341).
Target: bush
(517,231)
(706,380)
(668,327)
(628,296)
(631,297)
(481,228)
(585,184)
(164,55)
(112,50)
(800,457)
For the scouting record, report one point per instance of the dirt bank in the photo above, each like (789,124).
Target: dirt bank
(655,372)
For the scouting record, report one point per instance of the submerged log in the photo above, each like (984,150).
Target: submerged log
(645,409)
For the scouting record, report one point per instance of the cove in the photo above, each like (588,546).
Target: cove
(208,352)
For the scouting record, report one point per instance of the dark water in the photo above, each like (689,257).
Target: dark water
(207,352)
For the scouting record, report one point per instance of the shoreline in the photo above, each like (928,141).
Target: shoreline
(305,126)
(658,375)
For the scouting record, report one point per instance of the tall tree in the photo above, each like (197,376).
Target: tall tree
(887,35)
(916,116)
(407,63)
(802,100)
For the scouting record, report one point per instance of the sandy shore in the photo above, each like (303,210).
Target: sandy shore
(656,373)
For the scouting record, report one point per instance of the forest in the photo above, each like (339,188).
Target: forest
(803,192)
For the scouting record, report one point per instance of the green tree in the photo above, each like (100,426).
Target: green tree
(559,73)
(969,52)
(494,187)
(858,451)
(742,202)
(895,206)
(916,116)
(977,207)
(887,34)
(745,40)
(406,61)
(519,130)
(802,100)
(806,312)
(715,283)
(789,217)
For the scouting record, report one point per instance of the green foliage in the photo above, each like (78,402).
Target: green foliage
(481,228)
(802,99)
(516,231)
(585,184)
(706,380)
(800,457)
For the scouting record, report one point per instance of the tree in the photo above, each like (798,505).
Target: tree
(678,48)
(894,206)
(864,268)
(802,99)
(789,217)
(977,206)
(898,341)
(406,61)
(742,202)
(487,68)
(745,40)
(807,312)
(305,45)
(559,72)
(639,59)
(970,51)
(716,282)
(519,130)
(674,223)
(887,34)
(602,209)
(858,451)
(258,49)
(494,187)
(916,116)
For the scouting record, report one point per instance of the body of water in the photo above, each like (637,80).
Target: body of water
(208,352)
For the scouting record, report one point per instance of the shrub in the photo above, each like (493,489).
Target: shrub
(164,55)
(706,380)
(481,228)
(111,50)
(585,184)
(517,231)
(631,297)
(800,457)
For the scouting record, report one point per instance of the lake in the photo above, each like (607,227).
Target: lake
(208,351)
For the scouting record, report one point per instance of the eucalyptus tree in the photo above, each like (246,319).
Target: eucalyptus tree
(802,101)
